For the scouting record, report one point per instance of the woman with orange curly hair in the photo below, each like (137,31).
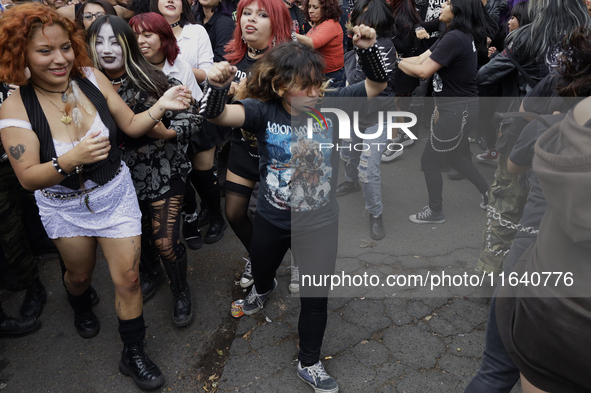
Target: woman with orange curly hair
(59,128)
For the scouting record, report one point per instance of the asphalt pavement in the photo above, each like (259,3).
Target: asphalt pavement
(380,338)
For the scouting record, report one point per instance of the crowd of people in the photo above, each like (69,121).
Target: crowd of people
(124,123)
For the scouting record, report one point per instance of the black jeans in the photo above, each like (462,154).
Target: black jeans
(315,254)
(447,128)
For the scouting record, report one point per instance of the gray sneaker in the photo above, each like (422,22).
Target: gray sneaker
(427,216)
(246,280)
(317,378)
(254,302)
(294,284)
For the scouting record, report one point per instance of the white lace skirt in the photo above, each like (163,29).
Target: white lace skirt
(115,211)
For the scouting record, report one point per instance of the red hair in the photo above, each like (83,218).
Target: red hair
(18,25)
(280,24)
(155,23)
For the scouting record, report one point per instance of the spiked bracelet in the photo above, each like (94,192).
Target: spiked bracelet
(372,63)
(58,168)
(214,101)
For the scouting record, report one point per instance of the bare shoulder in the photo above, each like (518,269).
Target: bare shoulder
(13,108)
(582,111)
(104,85)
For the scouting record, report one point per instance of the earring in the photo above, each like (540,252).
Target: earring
(274,41)
(243,39)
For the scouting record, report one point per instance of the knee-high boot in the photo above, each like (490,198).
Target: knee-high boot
(151,272)
(177,273)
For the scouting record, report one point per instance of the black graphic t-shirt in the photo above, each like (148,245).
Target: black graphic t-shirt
(456,52)
(297,175)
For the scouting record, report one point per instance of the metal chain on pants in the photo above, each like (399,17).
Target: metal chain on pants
(459,136)
(493,214)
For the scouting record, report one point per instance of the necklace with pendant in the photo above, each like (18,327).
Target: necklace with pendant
(66,118)
(63,93)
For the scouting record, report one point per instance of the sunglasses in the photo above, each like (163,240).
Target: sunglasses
(89,16)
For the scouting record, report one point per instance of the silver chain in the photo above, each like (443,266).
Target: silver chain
(459,136)
(493,214)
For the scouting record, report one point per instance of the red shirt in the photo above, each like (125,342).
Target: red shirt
(327,38)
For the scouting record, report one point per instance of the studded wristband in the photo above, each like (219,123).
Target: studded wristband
(214,101)
(58,168)
(372,63)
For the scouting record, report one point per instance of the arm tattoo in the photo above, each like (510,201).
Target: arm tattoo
(17,151)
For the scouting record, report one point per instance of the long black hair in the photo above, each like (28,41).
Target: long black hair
(468,18)
(373,13)
(143,74)
(405,15)
(551,22)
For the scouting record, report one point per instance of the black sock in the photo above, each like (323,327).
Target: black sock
(132,330)
(80,304)
(208,188)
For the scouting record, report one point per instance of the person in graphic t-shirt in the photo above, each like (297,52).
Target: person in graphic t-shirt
(452,61)
(296,206)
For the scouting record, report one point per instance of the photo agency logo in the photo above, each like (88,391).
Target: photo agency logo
(384,121)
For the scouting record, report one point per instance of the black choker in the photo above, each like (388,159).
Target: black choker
(256,52)
(175,24)
(63,93)
(157,64)
(119,80)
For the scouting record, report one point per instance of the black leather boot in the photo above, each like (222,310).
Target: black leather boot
(135,363)
(192,234)
(86,323)
(204,215)
(12,327)
(216,229)
(183,309)
(151,272)
(376,227)
(34,300)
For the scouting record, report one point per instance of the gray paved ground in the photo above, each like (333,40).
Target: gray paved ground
(379,339)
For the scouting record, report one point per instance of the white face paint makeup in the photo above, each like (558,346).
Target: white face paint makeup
(110,54)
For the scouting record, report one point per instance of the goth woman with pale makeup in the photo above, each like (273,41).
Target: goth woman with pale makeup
(196,50)
(60,127)
(159,167)
(262,25)
(326,36)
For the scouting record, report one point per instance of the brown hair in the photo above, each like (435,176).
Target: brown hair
(18,25)
(290,66)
